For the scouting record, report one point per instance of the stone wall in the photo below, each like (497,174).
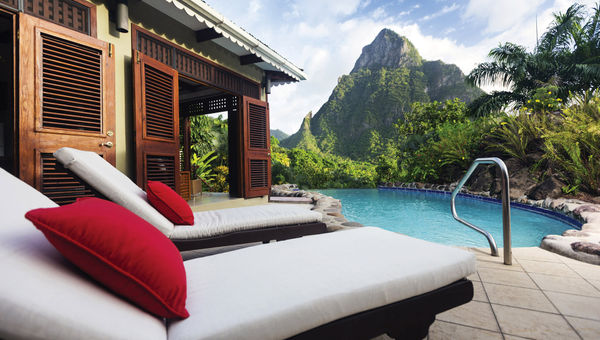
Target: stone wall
(329,207)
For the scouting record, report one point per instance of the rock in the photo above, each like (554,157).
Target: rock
(575,232)
(591,227)
(562,246)
(587,208)
(352,224)
(482,180)
(586,247)
(550,187)
(335,214)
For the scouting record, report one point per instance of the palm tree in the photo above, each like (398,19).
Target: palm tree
(567,57)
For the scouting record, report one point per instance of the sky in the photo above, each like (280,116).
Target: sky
(325,37)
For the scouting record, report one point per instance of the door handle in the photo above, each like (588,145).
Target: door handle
(107,144)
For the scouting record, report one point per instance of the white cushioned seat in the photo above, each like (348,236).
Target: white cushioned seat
(277,290)
(42,296)
(113,184)
(222,221)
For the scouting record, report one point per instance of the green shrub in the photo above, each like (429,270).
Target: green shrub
(573,147)
(518,135)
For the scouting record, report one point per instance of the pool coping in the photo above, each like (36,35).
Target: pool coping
(572,222)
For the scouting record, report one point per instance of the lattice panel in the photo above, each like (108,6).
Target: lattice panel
(158,103)
(257,125)
(155,49)
(66,13)
(161,168)
(10,3)
(71,85)
(185,185)
(258,173)
(208,105)
(58,184)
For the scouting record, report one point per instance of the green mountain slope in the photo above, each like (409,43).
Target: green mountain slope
(280,135)
(302,139)
(387,78)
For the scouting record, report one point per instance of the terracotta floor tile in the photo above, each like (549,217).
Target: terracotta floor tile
(565,284)
(475,314)
(506,277)
(548,268)
(588,329)
(519,297)
(533,324)
(441,330)
(576,305)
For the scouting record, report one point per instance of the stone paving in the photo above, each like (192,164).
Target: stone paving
(541,296)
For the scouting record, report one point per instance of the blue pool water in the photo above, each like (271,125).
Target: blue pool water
(427,216)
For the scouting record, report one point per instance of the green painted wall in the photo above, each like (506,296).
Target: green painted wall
(158,23)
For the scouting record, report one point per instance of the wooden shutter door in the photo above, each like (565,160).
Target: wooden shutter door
(66,98)
(156,121)
(257,152)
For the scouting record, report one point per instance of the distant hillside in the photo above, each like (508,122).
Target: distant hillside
(280,135)
(303,139)
(386,79)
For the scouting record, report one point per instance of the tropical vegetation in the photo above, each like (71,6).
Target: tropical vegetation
(567,58)
(548,121)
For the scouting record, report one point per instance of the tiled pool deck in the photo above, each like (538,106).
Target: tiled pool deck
(541,296)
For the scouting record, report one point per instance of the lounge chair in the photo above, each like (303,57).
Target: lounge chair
(211,228)
(354,284)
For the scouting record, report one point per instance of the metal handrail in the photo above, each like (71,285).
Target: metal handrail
(505,207)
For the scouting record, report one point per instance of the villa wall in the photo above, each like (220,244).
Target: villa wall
(149,18)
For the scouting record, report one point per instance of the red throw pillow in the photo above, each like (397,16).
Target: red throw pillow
(120,250)
(169,203)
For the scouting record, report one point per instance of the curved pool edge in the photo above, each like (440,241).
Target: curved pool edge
(575,223)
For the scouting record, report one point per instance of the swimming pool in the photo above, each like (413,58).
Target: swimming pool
(427,216)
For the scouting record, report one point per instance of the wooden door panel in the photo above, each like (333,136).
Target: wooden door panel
(66,98)
(257,154)
(156,121)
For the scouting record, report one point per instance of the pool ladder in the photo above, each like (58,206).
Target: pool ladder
(505,207)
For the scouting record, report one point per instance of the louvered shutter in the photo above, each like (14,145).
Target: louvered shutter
(156,122)
(71,86)
(257,156)
(66,98)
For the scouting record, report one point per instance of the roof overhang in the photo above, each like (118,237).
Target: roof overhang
(198,16)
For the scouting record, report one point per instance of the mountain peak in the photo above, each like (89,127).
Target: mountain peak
(389,49)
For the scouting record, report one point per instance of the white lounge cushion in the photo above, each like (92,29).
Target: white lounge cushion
(223,221)
(113,184)
(277,290)
(42,296)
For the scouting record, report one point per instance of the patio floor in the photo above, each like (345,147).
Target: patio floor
(541,296)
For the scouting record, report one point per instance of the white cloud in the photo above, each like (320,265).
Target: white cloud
(326,37)
(444,10)
(254,6)
(501,15)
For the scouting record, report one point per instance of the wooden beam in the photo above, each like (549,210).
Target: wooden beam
(250,59)
(207,34)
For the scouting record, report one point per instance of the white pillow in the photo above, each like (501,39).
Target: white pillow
(42,296)
(113,184)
